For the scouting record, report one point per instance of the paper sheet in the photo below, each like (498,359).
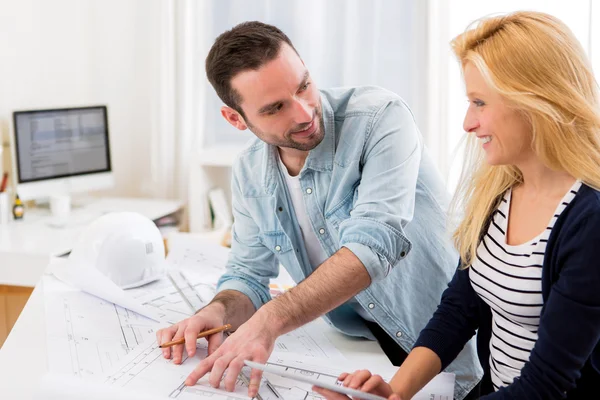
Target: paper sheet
(96,334)
(65,387)
(86,335)
(92,281)
(176,298)
(146,370)
(291,389)
(189,252)
(307,341)
(439,388)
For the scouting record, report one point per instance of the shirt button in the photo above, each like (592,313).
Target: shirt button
(398,334)
(371,306)
(278,248)
(402,254)
(321,231)
(309,190)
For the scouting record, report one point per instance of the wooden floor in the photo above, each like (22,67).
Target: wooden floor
(12,301)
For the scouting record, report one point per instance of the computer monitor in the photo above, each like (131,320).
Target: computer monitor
(61,151)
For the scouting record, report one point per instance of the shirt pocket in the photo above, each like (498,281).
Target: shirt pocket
(277,242)
(341,211)
(281,245)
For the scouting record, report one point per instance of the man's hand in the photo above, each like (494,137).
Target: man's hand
(360,380)
(209,317)
(254,341)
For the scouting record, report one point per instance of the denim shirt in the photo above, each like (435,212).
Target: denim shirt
(369,186)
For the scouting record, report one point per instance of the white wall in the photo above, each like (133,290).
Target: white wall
(460,14)
(58,53)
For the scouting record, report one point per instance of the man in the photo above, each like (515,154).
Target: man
(337,188)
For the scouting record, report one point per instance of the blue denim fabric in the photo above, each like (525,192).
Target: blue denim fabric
(372,187)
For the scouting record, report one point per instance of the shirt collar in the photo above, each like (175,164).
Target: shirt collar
(321,157)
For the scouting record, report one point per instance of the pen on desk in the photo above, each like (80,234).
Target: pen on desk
(4,181)
(200,335)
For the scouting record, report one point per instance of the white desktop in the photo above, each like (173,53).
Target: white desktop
(56,154)
(61,151)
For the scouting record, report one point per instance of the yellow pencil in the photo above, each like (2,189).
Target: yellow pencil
(200,335)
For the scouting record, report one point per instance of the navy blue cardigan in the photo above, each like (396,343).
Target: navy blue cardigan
(565,360)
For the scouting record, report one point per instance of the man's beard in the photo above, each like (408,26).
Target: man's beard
(288,140)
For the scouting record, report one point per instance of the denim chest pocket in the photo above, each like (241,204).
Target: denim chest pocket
(276,241)
(341,211)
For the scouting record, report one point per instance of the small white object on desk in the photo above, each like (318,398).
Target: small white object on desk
(5,215)
(60,208)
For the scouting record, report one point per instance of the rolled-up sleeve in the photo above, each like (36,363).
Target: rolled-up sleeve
(386,194)
(251,264)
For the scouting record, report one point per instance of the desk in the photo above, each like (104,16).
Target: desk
(23,359)
(26,245)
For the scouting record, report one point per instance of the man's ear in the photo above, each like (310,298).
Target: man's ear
(234,118)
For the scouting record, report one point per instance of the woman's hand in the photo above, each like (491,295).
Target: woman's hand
(361,380)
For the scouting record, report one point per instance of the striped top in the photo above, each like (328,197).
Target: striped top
(509,279)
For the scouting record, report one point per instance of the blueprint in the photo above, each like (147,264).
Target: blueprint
(89,337)
(308,342)
(177,296)
(146,369)
(86,335)
(94,282)
(291,389)
(96,334)
(439,388)
(187,252)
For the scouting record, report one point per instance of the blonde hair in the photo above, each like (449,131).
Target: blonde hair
(540,69)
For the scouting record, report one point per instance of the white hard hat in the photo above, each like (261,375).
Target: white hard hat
(125,246)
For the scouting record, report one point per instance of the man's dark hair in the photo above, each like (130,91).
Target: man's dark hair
(247,46)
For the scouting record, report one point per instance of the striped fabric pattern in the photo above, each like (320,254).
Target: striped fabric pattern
(509,279)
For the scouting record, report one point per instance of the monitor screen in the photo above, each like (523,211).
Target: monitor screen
(61,143)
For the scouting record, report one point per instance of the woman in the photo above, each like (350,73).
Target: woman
(529,242)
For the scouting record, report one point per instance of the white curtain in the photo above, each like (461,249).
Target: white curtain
(400,45)
(343,43)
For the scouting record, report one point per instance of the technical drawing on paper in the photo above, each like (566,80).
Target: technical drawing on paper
(196,255)
(147,370)
(440,388)
(96,334)
(165,298)
(308,341)
(291,389)
(87,335)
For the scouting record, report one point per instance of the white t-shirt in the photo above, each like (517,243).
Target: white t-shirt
(316,253)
